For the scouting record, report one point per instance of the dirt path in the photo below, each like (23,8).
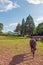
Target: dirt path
(7,58)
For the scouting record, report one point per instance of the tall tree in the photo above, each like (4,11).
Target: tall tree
(39,29)
(18,28)
(1,27)
(23,27)
(29,25)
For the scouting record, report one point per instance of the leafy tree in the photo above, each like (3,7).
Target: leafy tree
(39,29)
(29,25)
(23,27)
(18,28)
(1,27)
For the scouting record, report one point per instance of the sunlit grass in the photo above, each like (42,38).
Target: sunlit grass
(40,47)
(19,45)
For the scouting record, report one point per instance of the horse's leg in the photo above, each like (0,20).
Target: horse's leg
(33,51)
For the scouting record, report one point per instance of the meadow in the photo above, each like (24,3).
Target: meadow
(16,51)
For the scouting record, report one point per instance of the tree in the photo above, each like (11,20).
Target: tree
(1,27)
(29,25)
(23,27)
(39,29)
(18,28)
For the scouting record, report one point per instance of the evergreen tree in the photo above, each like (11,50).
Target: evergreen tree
(29,25)
(23,27)
(1,27)
(18,28)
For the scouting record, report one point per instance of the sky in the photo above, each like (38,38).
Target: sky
(13,11)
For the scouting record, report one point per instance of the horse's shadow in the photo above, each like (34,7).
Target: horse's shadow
(18,59)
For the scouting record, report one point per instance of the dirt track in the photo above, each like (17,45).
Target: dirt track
(7,58)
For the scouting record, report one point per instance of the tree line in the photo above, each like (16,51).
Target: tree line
(27,27)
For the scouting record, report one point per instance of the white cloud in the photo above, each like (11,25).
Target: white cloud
(6,5)
(13,24)
(10,27)
(35,1)
(38,20)
(6,26)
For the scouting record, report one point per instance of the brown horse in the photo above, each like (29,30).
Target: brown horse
(33,45)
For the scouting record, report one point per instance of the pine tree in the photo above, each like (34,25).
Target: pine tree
(29,25)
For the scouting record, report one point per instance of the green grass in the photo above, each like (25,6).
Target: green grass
(40,47)
(19,45)
(14,44)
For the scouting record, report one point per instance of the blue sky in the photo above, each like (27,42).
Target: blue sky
(13,11)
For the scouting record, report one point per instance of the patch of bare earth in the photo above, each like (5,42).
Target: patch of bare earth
(8,57)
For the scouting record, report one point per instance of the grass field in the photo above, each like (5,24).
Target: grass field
(16,51)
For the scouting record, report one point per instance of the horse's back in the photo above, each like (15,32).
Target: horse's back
(33,43)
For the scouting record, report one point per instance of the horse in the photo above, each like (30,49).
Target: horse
(33,45)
